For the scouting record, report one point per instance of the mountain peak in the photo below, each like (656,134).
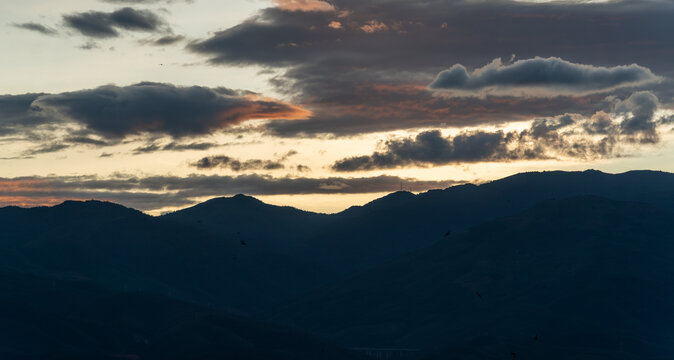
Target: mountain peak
(95,207)
(237,200)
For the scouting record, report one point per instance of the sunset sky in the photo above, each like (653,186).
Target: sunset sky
(160,104)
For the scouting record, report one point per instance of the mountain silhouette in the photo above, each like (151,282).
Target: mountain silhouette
(591,277)
(124,249)
(270,227)
(364,236)
(543,265)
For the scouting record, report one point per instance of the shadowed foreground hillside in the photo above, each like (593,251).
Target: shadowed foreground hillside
(53,319)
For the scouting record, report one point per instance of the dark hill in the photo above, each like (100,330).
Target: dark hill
(124,249)
(363,236)
(55,319)
(593,278)
(249,219)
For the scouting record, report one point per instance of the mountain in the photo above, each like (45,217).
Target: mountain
(56,319)
(365,236)
(577,278)
(548,254)
(248,257)
(246,218)
(124,249)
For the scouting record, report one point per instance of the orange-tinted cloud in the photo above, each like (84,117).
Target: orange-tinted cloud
(115,112)
(304,5)
(374,26)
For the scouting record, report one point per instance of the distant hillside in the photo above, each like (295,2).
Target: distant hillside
(363,236)
(124,249)
(54,319)
(249,257)
(249,219)
(579,278)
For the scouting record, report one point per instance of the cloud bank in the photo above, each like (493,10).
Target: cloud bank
(115,112)
(569,136)
(156,192)
(98,24)
(539,77)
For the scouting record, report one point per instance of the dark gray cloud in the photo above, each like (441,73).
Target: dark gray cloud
(166,40)
(19,117)
(226,162)
(46,149)
(86,140)
(174,146)
(639,112)
(572,136)
(539,77)
(432,148)
(356,81)
(32,26)
(99,24)
(302,168)
(155,192)
(115,112)
(223,161)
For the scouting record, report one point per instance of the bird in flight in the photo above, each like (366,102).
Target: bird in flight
(243,243)
(448,233)
(478,294)
(514,355)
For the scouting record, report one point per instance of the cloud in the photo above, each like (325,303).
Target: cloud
(174,146)
(430,147)
(89,45)
(639,116)
(569,136)
(304,5)
(223,161)
(86,140)
(357,82)
(46,149)
(539,77)
(42,29)
(335,25)
(146,1)
(374,26)
(99,24)
(165,40)
(156,192)
(115,112)
(16,111)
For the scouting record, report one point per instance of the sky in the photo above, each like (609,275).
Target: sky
(160,104)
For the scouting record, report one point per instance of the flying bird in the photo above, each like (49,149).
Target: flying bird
(514,355)
(448,233)
(243,243)
(478,294)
